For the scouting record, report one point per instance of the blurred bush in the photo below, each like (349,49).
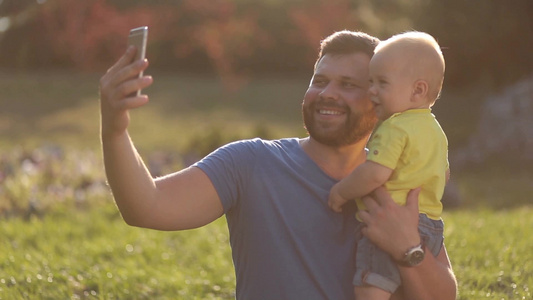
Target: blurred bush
(33,182)
(483,41)
(51,177)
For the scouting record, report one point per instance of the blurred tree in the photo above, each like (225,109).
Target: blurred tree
(487,41)
(82,34)
(14,15)
(89,31)
(239,37)
(317,19)
(224,31)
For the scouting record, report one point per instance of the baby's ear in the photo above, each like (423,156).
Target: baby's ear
(420,90)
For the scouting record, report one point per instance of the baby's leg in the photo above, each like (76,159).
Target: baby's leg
(370,292)
(376,275)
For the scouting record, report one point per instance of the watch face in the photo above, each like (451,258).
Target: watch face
(416,257)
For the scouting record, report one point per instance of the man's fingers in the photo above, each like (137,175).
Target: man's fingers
(128,72)
(412,199)
(124,69)
(124,96)
(121,71)
(364,216)
(124,60)
(132,102)
(370,202)
(131,86)
(127,88)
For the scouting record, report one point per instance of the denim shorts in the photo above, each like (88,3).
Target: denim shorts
(376,268)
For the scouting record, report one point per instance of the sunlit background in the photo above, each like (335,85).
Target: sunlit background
(233,69)
(487,46)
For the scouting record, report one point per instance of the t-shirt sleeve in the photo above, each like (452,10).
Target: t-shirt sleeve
(228,168)
(386,145)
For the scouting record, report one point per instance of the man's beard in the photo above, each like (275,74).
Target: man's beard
(356,127)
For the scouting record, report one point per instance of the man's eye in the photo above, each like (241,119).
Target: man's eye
(349,84)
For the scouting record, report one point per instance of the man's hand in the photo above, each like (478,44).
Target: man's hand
(117,89)
(335,200)
(391,227)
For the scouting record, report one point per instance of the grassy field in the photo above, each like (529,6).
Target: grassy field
(62,238)
(62,108)
(94,255)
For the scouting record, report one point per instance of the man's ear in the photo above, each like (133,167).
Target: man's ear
(420,90)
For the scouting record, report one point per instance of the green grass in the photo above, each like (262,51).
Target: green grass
(95,255)
(61,237)
(491,252)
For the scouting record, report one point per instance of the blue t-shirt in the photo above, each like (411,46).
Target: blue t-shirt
(286,242)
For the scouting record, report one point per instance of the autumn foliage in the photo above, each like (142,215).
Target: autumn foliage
(233,38)
(88,34)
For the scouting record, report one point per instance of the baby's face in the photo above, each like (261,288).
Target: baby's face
(391,86)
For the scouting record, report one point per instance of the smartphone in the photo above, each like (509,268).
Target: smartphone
(138,37)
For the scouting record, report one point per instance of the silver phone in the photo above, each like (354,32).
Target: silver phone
(138,37)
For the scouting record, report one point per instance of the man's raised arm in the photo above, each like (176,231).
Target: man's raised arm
(183,200)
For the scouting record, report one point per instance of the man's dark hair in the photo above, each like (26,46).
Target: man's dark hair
(347,42)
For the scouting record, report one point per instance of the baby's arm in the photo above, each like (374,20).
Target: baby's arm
(363,180)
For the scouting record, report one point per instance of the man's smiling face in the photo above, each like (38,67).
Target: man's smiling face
(336,108)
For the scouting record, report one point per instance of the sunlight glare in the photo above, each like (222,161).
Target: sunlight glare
(5,23)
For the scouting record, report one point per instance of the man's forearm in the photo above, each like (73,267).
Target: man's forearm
(130,181)
(433,279)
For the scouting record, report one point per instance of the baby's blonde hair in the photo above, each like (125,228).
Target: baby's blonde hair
(422,55)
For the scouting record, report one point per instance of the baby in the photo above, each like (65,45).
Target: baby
(408,149)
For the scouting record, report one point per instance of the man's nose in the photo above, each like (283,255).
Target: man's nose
(329,92)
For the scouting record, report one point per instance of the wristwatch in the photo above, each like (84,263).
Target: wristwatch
(413,257)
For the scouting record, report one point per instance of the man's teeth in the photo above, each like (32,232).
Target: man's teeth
(329,112)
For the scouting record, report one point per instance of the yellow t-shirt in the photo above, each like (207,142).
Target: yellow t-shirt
(414,146)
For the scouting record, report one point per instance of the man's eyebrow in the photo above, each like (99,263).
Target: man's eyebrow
(353,79)
(341,78)
(348,78)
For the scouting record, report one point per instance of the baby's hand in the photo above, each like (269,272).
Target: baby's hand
(335,201)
